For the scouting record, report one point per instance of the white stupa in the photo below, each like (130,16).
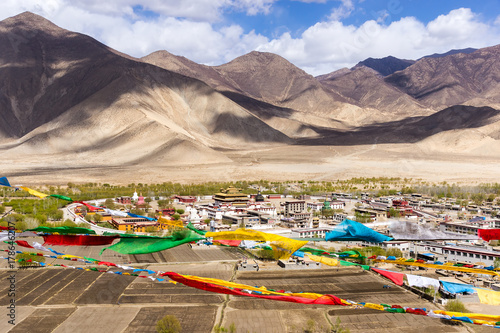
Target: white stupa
(135,197)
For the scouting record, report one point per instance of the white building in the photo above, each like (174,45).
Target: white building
(459,253)
(309,232)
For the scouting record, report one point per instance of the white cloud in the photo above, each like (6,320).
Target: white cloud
(343,11)
(327,46)
(182,33)
(195,29)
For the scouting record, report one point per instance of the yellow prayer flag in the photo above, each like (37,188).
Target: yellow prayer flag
(283,247)
(33,192)
(490,297)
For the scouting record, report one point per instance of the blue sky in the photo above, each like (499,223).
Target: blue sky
(319,36)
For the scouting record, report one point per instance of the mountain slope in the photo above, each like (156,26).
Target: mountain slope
(367,89)
(64,93)
(386,66)
(451,80)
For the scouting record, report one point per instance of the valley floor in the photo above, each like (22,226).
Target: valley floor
(278,163)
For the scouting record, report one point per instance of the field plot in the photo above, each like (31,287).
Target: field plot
(67,300)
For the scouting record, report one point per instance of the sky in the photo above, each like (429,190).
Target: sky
(319,36)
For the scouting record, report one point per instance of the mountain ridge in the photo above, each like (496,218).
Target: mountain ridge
(70,100)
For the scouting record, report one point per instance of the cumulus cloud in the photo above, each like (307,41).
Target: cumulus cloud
(327,46)
(183,27)
(342,11)
(197,30)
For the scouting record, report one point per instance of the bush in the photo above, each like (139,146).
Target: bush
(455,305)
(26,257)
(168,324)
(394,252)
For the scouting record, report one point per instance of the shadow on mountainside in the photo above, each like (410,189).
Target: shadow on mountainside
(408,130)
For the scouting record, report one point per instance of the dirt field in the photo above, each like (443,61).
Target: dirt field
(67,300)
(275,164)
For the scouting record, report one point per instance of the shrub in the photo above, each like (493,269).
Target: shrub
(26,257)
(455,305)
(168,324)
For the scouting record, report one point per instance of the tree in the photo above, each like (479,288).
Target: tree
(362,217)
(110,203)
(151,229)
(180,211)
(163,203)
(394,252)
(168,324)
(176,216)
(148,200)
(337,328)
(394,213)
(496,263)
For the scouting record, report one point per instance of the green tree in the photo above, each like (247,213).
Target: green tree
(496,263)
(394,252)
(176,216)
(168,324)
(180,211)
(362,217)
(148,200)
(337,328)
(55,214)
(150,229)
(2,209)
(394,213)
(110,203)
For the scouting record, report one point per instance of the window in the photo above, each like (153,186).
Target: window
(471,255)
(490,257)
(478,256)
(483,257)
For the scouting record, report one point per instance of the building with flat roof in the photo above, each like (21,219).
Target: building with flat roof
(469,227)
(459,253)
(296,206)
(136,224)
(309,232)
(231,195)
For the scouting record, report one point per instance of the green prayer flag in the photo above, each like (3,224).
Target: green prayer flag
(199,232)
(131,244)
(61,197)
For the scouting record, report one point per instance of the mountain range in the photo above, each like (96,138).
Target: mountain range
(72,105)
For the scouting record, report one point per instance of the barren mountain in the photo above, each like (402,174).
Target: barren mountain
(451,52)
(386,66)
(272,88)
(451,80)
(65,93)
(365,87)
(73,108)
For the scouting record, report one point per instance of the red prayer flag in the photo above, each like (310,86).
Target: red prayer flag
(324,299)
(24,244)
(106,263)
(78,240)
(395,277)
(232,242)
(489,234)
